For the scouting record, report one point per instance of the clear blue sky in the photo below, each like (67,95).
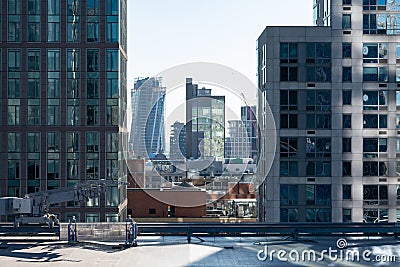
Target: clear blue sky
(165,33)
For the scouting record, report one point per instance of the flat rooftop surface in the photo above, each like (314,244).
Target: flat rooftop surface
(220,251)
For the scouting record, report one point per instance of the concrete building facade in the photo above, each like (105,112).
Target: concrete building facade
(334,94)
(63,101)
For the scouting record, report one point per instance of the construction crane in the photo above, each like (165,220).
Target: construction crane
(34,208)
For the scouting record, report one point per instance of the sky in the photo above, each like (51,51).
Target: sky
(166,33)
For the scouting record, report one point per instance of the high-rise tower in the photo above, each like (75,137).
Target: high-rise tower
(334,94)
(63,101)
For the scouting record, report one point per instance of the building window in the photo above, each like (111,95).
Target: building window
(34,20)
(14,60)
(375,74)
(319,100)
(111,217)
(152,211)
(318,59)
(33,112)
(289,215)
(73,169)
(346,97)
(14,20)
(346,50)
(318,121)
(375,52)
(289,194)
(73,112)
(346,144)
(374,168)
(53,169)
(288,60)
(72,142)
(92,217)
(318,168)
(92,115)
(53,114)
(112,196)
(13,169)
(346,168)
(289,168)
(33,169)
(92,142)
(347,2)
(53,60)
(112,168)
(288,147)
(13,115)
(112,142)
(53,21)
(375,194)
(397,100)
(318,74)
(318,195)
(347,74)
(93,202)
(318,53)
(73,18)
(375,215)
(373,147)
(318,147)
(288,121)
(376,121)
(346,121)
(288,74)
(92,12)
(346,21)
(318,215)
(346,191)
(92,88)
(112,114)
(13,142)
(93,59)
(33,60)
(53,142)
(288,52)
(112,25)
(375,100)
(92,169)
(346,215)
(288,99)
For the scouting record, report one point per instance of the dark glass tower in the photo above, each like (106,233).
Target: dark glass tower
(63,101)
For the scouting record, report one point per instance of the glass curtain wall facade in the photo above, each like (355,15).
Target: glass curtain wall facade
(335,100)
(205,123)
(148,108)
(64,101)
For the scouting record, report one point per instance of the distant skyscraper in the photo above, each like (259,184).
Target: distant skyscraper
(177,141)
(249,118)
(63,101)
(205,123)
(237,145)
(147,131)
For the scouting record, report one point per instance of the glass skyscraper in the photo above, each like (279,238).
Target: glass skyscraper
(63,101)
(148,107)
